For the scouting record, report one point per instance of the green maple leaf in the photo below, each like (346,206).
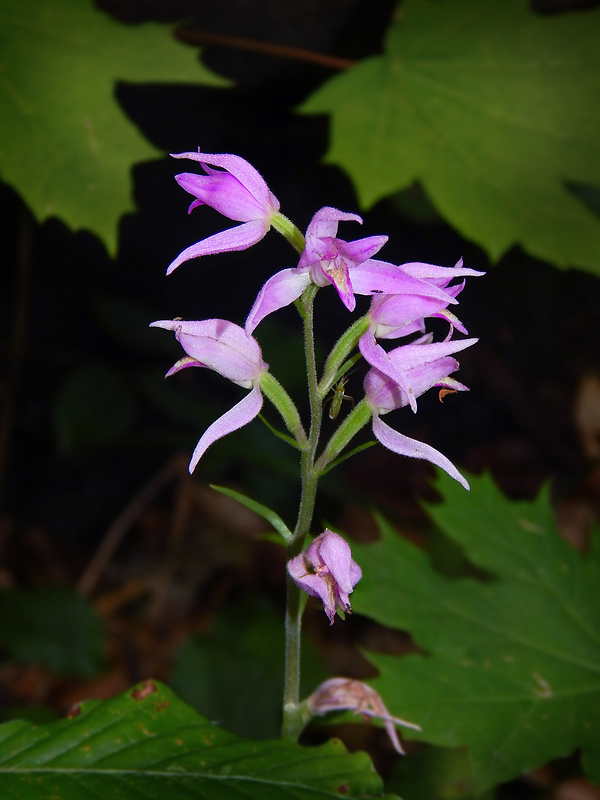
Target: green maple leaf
(65,144)
(494,109)
(512,664)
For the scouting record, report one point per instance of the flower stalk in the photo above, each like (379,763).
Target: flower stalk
(402,299)
(292,723)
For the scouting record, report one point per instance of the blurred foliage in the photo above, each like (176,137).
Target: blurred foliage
(436,773)
(94,406)
(233,674)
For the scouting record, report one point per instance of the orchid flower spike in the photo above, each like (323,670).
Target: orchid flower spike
(345,694)
(326,570)
(235,190)
(224,347)
(424,365)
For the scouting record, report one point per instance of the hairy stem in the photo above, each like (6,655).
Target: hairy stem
(292,718)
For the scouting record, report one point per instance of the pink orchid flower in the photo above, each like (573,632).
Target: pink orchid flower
(237,191)
(349,266)
(326,570)
(345,694)
(224,347)
(427,293)
(423,364)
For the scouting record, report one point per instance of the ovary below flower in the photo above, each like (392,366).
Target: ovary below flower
(224,347)
(326,570)
(236,190)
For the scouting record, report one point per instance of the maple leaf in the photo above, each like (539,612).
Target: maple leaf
(65,144)
(493,108)
(512,663)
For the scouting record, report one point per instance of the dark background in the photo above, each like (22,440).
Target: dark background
(71,317)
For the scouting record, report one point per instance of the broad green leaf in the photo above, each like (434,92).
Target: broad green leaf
(493,108)
(271,516)
(512,664)
(52,627)
(146,743)
(65,144)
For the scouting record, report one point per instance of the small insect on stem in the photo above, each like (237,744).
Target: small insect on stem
(339,396)
(444,392)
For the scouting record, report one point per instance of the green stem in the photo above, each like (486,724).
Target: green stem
(289,231)
(293,722)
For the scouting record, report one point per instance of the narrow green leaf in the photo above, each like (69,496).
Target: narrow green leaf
(336,462)
(279,434)
(266,513)
(65,144)
(512,664)
(148,745)
(493,108)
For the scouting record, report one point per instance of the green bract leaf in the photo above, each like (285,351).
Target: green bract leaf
(52,627)
(513,664)
(65,144)
(493,108)
(263,511)
(146,743)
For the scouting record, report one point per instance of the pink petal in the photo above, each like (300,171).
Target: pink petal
(439,274)
(381,276)
(337,556)
(220,345)
(224,193)
(239,238)
(325,222)
(361,249)
(246,174)
(405,446)
(238,416)
(279,291)
(375,355)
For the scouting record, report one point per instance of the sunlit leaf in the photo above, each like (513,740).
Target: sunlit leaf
(494,109)
(65,144)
